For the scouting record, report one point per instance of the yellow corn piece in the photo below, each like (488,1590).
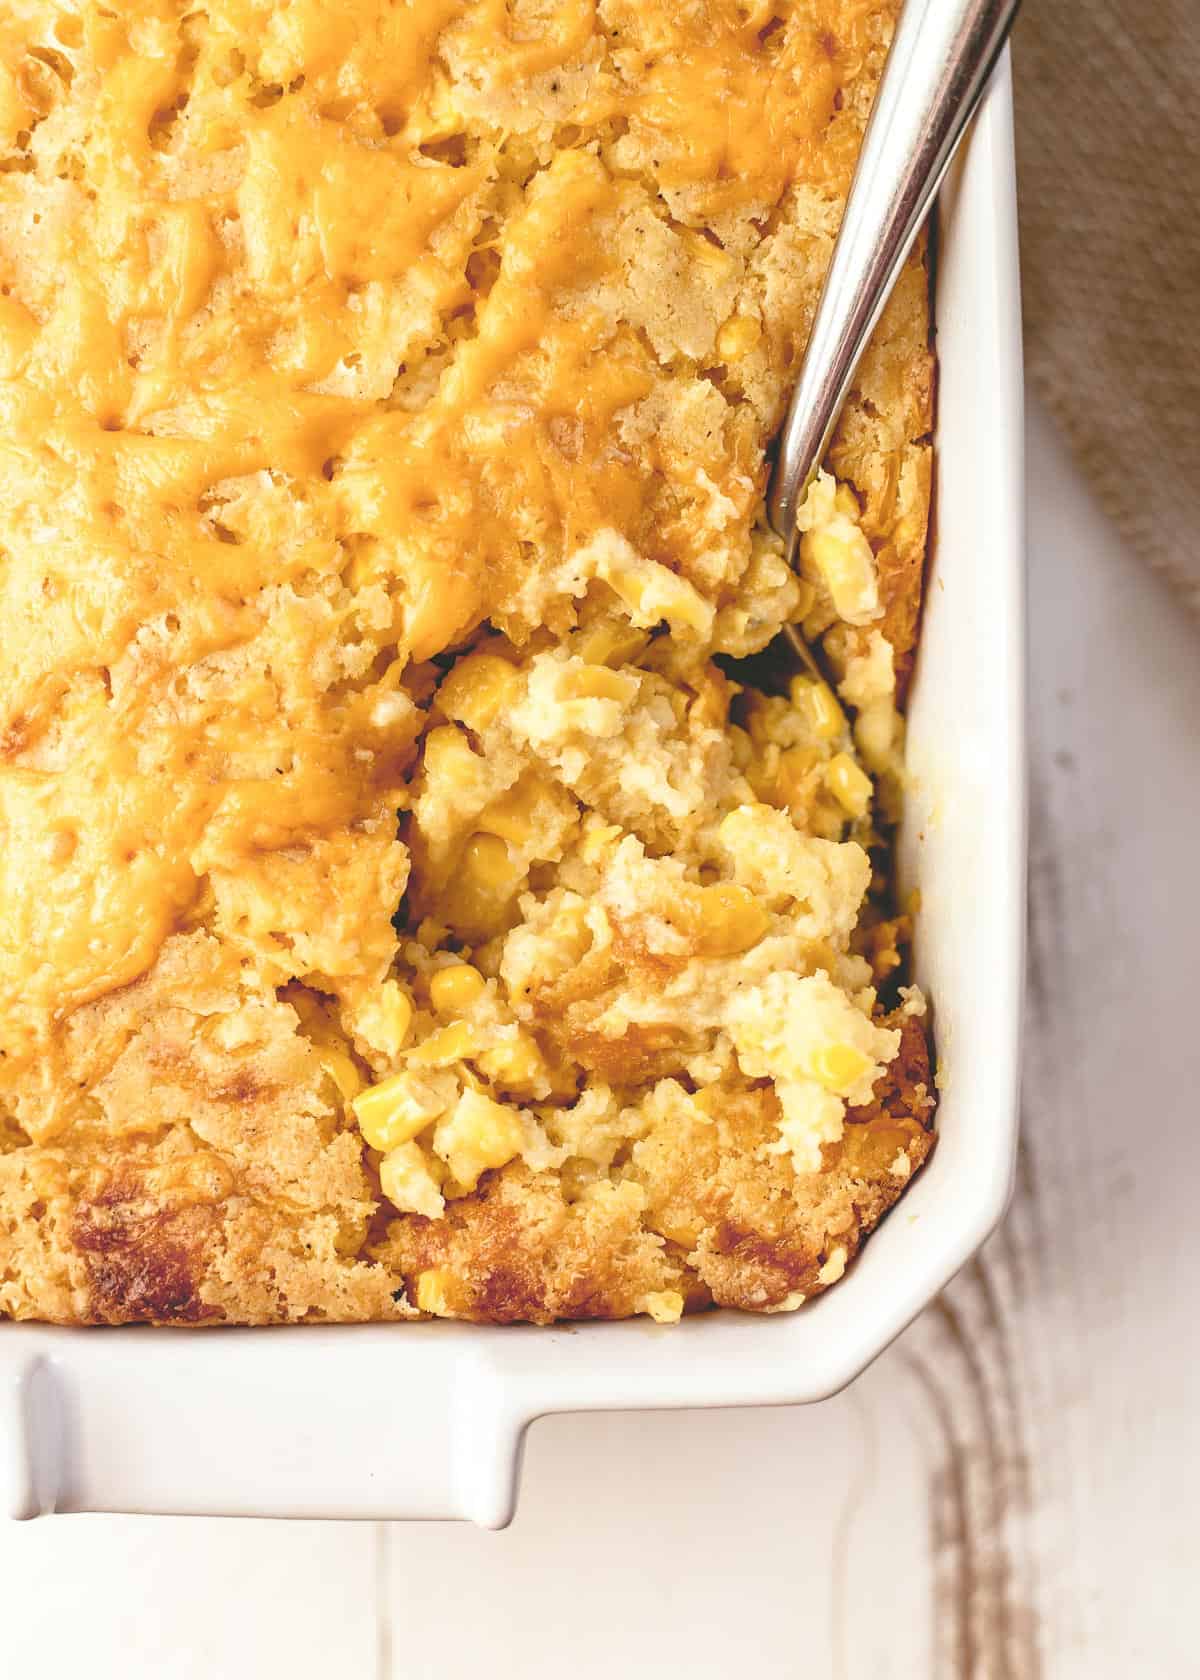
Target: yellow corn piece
(845,560)
(478,689)
(597,682)
(384,1019)
(838,1067)
(433,1291)
(487,865)
(738,336)
(685,1232)
(511,818)
(516,1065)
(452,990)
(609,641)
(849,785)
(386,1114)
(476,1135)
(397,1011)
(341,1069)
(407,1182)
(731,920)
(795,765)
(448,756)
(875,730)
(817,701)
(654,592)
(665,1306)
(710,1100)
(598,840)
(478,898)
(444,1047)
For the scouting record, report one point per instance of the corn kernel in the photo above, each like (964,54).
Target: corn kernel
(454,989)
(433,1288)
(487,864)
(511,817)
(654,592)
(396,1109)
(598,840)
(476,1135)
(448,756)
(731,920)
(849,785)
(686,1233)
(397,1011)
(739,335)
(817,699)
(341,1069)
(833,1268)
(609,641)
(843,558)
(478,689)
(406,1181)
(597,682)
(665,1306)
(838,1067)
(875,732)
(449,1044)
(795,766)
(516,1065)
(478,898)
(384,1019)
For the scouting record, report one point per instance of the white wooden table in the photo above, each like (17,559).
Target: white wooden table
(1011,1493)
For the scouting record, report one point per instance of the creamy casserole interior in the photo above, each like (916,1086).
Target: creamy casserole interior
(407,900)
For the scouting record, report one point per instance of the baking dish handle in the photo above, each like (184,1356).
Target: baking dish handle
(233,1423)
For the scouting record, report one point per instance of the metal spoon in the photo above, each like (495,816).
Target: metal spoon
(936,72)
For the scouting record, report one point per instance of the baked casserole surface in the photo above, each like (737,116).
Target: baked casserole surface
(407,902)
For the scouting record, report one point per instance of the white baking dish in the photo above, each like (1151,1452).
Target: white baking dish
(427,1420)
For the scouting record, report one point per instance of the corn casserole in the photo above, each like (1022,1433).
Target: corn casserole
(414,896)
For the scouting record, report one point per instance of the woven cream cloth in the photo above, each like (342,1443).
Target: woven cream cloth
(1108,156)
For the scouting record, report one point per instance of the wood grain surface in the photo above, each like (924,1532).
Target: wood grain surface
(1010,1493)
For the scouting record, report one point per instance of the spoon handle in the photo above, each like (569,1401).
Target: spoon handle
(935,75)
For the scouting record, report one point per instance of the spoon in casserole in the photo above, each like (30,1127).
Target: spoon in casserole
(936,73)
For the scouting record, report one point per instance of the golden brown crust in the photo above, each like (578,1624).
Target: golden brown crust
(514,1250)
(339,345)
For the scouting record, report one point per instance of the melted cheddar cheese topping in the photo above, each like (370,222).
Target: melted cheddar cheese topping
(328,332)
